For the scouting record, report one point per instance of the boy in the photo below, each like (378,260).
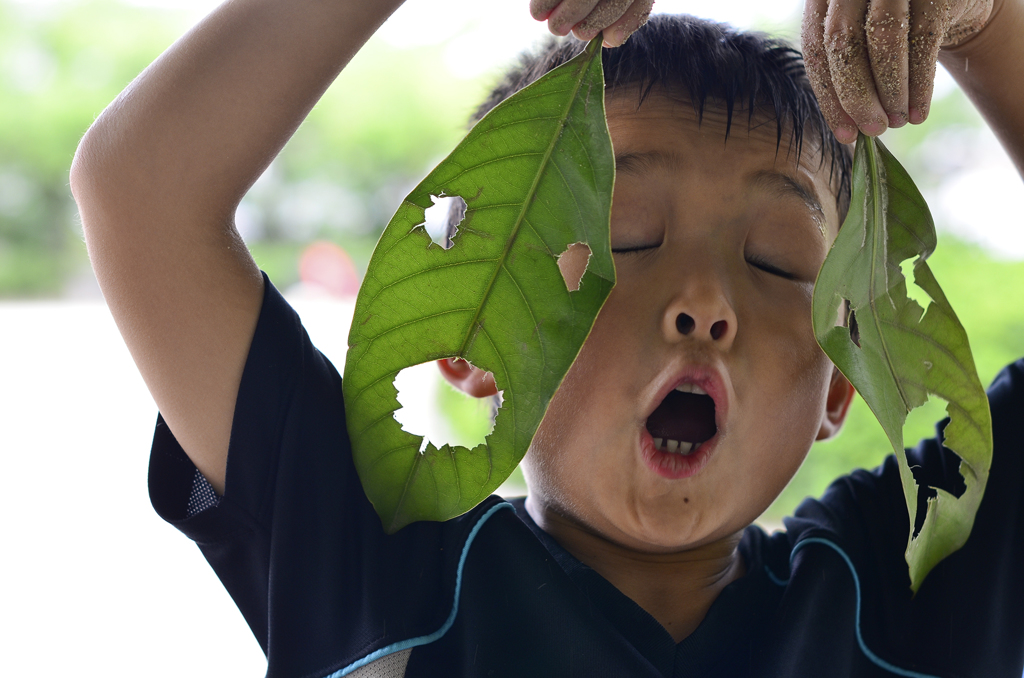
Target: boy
(633,554)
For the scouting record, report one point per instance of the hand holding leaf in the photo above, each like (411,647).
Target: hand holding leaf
(872,64)
(613,20)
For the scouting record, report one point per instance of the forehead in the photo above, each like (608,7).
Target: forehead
(665,135)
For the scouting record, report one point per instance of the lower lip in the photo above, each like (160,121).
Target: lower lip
(674,465)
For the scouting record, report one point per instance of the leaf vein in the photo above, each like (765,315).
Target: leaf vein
(385,286)
(492,161)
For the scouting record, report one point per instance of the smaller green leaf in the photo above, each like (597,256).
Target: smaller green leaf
(894,351)
(536,175)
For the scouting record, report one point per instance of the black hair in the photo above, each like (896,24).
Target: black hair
(708,63)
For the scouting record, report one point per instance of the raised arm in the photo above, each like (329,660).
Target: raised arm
(157,179)
(990,69)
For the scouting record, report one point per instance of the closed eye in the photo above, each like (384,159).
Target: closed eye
(765,266)
(635,248)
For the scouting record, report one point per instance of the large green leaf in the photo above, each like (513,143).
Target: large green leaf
(905,352)
(537,175)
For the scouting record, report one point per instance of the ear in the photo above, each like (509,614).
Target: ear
(837,404)
(466,378)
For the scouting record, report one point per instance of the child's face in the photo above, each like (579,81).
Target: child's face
(694,304)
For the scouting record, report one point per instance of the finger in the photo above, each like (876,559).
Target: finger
(635,17)
(816,64)
(541,9)
(888,33)
(568,14)
(848,63)
(602,16)
(927,26)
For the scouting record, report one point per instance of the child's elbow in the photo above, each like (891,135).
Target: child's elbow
(82,170)
(96,177)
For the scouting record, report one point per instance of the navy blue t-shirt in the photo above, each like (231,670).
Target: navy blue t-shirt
(326,592)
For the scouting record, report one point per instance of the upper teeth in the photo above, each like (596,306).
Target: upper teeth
(691,388)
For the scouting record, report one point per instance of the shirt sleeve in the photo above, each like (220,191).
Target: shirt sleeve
(294,539)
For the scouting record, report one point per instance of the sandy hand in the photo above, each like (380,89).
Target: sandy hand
(872,63)
(618,19)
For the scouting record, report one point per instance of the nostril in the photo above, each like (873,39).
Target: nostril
(684,323)
(718,330)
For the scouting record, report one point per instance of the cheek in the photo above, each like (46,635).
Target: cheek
(778,323)
(601,375)
(587,411)
(798,371)
(784,398)
(776,437)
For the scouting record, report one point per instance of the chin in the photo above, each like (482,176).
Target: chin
(664,525)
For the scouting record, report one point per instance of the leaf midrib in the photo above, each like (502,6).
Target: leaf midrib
(513,235)
(880,232)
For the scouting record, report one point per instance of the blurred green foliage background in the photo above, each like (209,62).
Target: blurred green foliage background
(392,114)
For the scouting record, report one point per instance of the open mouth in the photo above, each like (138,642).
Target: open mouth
(683,420)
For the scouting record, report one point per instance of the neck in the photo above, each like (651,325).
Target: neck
(676,588)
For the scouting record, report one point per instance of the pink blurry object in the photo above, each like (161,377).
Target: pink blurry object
(328,267)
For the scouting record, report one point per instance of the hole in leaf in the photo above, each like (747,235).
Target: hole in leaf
(913,291)
(920,424)
(439,412)
(921,420)
(441,221)
(851,323)
(573,264)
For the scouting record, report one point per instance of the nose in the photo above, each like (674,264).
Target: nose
(685,324)
(701,311)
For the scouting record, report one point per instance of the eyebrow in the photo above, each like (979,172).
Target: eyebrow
(780,184)
(639,164)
